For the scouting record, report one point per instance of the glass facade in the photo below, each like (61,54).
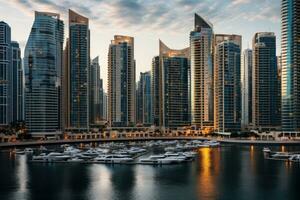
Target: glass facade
(95,89)
(155,90)
(17,83)
(227,76)
(174,87)
(290,46)
(143,96)
(266,105)
(79,55)
(121,82)
(42,65)
(246,85)
(202,99)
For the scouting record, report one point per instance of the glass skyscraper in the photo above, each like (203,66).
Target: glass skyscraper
(266,111)
(17,83)
(121,82)
(290,46)
(246,86)
(42,65)
(202,100)
(174,87)
(78,72)
(143,96)
(155,90)
(95,89)
(227,83)
(5,75)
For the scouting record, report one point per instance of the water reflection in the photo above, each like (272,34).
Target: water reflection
(208,171)
(21,178)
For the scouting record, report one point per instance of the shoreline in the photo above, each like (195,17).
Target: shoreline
(222,141)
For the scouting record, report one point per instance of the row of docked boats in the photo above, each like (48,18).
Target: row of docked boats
(289,156)
(195,144)
(169,158)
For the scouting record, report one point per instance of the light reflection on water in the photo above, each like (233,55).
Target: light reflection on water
(228,172)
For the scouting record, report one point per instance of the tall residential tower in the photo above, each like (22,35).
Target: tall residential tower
(121,82)
(202,100)
(290,47)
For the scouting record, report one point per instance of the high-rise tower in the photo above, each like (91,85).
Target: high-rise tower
(43,65)
(121,81)
(290,47)
(202,100)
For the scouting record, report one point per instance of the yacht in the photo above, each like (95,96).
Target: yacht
(55,156)
(41,157)
(28,150)
(151,159)
(170,149)
(295,158)
(281,155)
(171,160)
(266,150)
(135,150)
(91,152)
(75,159)
(113,159)
(212,143)
(71,151)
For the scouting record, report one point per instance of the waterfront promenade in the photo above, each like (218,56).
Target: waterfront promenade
(77,141)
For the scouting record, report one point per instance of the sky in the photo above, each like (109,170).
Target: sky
(148,21)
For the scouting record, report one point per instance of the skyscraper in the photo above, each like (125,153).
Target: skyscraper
(5,75)
(144,105)
(265,99)
(43,65)
(174,87)
(290,46)
(17,83)
(78,69)
(121,81)
(95,89)
(155,90)
(201,44)
(227,83)
(246,85)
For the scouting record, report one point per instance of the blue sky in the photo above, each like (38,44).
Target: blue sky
(148,21)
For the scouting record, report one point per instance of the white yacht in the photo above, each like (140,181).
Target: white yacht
(135,150)
(55,156)
(281,155)
(113,159)
(41,157)
(71,151)
(212,143)
(171,160)
(295,158)
(91,152)
(151,159)
(266,150)
(75,159)
(28,150)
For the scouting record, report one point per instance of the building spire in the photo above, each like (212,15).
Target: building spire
(201,22)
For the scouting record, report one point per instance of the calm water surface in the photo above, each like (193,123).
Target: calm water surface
(229,172)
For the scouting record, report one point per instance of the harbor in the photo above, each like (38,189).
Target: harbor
(167,152)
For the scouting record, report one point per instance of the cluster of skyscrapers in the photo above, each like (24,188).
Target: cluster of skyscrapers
(212,85)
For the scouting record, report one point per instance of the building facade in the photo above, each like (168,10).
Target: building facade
(17,83)
(42,65)
(227,83)
(290,47)
(201,45)
(266,111)
(144,100)
(5,74)
(174,87)
(155,90)
(121,82)
(246,85)
(78,72)
(95,90)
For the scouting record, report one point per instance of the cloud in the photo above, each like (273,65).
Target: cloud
(157,14)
